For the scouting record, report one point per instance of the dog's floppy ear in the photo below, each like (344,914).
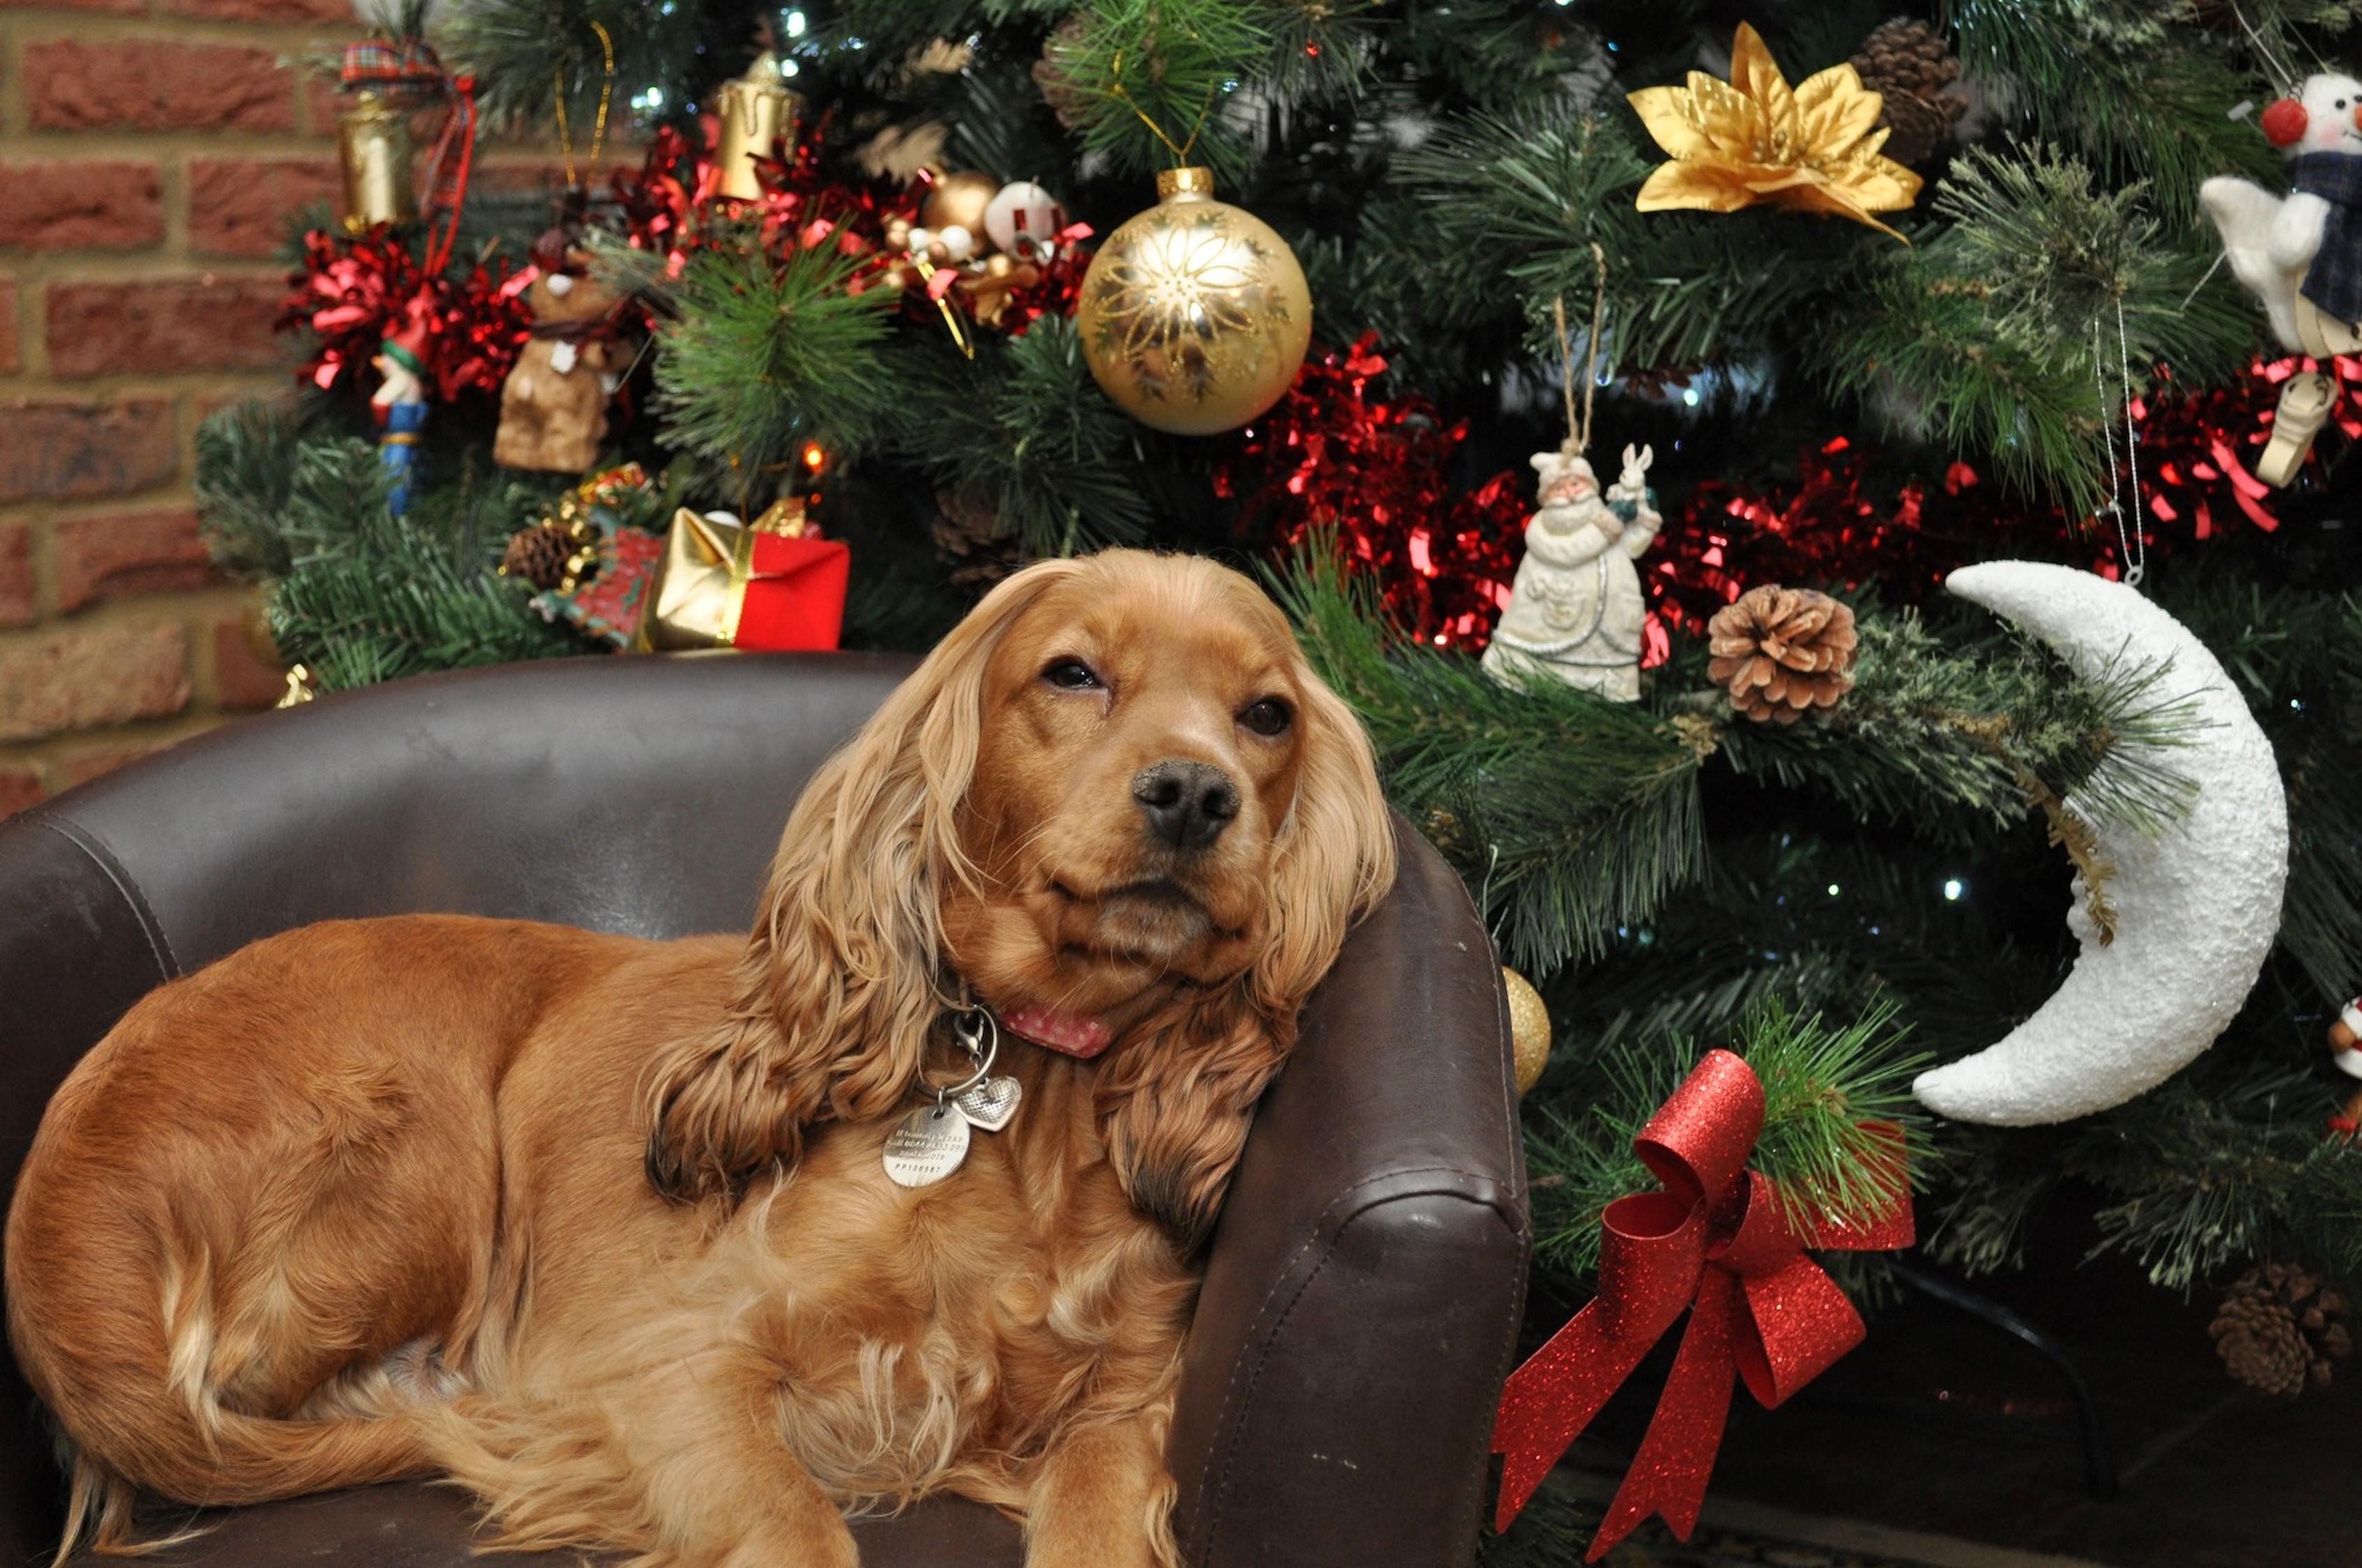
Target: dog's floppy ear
(831,1006)
(1177,1101)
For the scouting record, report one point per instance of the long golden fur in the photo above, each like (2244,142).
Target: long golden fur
(599,1226)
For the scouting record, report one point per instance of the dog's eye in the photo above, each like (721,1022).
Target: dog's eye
(1070,675)
(1268,717)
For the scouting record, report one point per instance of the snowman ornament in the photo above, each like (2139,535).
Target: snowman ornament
(2301,254)
(1575,611)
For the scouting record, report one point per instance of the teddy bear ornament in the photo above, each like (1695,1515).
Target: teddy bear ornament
(554,404)
(2302,254)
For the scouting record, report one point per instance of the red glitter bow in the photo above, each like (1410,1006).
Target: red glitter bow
(1718,1240)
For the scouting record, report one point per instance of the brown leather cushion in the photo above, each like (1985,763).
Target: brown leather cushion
(418,1526)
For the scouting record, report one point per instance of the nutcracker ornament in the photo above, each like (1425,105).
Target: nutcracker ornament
(1575,611)
(554,404)
(404,362)
(2301,254)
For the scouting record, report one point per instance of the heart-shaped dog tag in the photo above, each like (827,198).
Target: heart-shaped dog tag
(926,1145)
(990,1103)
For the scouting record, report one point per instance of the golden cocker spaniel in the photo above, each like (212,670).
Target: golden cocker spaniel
(665,1247)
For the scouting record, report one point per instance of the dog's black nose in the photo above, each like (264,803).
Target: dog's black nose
(1188,804)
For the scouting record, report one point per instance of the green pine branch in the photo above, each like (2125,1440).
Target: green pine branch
(761,355)
(361,595)
(1150,77)
(1022,432)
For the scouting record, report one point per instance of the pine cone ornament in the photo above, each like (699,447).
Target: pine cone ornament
(1050,70)
(968,540)
(1905,61)
(1783,650)
(538,554)
(2277,1329)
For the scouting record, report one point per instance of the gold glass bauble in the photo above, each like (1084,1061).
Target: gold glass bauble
(755,111)
(374,142)
(1194,315)
(1529,1028)
(959,199)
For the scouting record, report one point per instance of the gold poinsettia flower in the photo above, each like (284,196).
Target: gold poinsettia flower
(1754,138)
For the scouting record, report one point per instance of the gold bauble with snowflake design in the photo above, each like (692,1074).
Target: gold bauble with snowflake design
(1194,315)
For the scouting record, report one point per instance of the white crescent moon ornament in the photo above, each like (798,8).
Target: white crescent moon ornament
(2198,907)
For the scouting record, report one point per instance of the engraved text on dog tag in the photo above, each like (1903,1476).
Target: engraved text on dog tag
(989,1104)
(926,1145)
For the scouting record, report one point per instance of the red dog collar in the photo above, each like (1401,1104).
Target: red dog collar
(1068,1033)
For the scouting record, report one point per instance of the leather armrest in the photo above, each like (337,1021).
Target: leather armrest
(1364,1284)
(77,947)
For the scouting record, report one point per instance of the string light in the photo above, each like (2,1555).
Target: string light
(1953,888)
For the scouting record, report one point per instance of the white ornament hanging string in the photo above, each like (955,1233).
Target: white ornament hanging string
(2134,548)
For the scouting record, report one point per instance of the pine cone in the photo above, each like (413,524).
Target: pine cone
(2279,1330)
(1050,70)
(1783,650)
(538,554)
(1905,61)
(968,540)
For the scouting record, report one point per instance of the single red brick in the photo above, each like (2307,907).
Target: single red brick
(20,786)
(243,677)
(85,677)
(59,450)
(137,552)
(261,10)
(238,206)
(169,323)
(17,606)
(155,85)
(327,101)
(80,204)
(7,323)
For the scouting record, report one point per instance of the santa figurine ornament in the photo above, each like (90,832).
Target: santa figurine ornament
(404,362)
(2302,254)
(1575,611)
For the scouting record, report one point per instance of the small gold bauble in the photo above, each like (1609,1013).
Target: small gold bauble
(1194,315)
(959,199)
(1530,1027)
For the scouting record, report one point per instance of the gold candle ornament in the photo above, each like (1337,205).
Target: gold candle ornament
(755,111)
(375,143)
(1194,315)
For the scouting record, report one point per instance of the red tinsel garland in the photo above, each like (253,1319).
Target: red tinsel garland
(351,291)
(1328,455)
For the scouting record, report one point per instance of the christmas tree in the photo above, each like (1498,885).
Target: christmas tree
(1885,296)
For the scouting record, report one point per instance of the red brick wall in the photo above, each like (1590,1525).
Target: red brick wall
(148,152)
(151,151)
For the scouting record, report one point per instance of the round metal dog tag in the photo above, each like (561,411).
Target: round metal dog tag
(990,1103)
(926,1145)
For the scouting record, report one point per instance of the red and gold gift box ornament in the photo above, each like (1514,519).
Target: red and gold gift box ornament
(1719,1241)
(773,584)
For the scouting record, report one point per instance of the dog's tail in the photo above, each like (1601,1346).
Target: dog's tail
(218,1458)
(146,1412)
